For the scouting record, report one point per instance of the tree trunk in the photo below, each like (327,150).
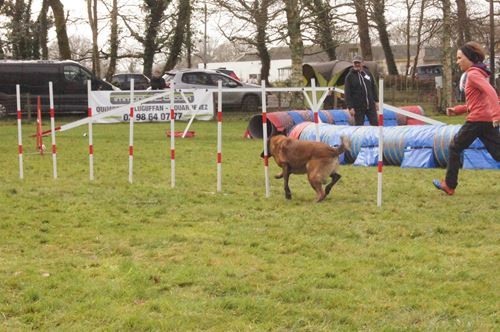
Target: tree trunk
(446,43)
(155,9)
(62,35)
(113,42)
(408,37)
(188,42)
(93,22)
(181,27)
(492,45)
(379,18)
(42,28)
(296,43)
(419,35)
(463,26)
(261,20)
(363,30)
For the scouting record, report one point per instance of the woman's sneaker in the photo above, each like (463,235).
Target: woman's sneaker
(441,185)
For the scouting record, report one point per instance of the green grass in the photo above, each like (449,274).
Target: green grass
(108,255)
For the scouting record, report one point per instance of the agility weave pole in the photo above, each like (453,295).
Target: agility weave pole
(19,133)
(381,141)
(172,137)
(264,138)
(53,130)
(131,135)
(219,137)
(91,138)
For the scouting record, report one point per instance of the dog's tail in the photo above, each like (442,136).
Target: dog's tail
(344,146)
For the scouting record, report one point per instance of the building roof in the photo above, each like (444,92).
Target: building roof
(314,53)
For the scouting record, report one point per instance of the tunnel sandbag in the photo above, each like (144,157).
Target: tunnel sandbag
(419,151)
(390,118)
(479,158)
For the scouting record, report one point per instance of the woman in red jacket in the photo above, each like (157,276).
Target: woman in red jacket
(483,117)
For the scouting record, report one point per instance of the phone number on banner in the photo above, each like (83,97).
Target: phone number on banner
(163,116)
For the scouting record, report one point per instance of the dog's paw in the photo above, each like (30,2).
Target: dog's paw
(278,176)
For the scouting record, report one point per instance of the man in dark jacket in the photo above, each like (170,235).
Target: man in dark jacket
(157,82)
(361,93)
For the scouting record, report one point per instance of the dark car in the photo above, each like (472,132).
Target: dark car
(427,72)
(141,82)
(69,80)
(246,101)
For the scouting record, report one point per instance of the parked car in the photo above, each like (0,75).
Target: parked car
(141,82)
(69,81)
(426,72)
(246,101)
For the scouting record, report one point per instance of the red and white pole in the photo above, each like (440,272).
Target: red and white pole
(315,108)
(265,138)
(131,135)
(172,135)
(39,140)
(219,138)
(91,138)
(380,141)
(53,130)
(19,133)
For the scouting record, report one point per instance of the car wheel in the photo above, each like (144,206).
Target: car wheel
(3,111)
(250,104)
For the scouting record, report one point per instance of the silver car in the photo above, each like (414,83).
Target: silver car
(246,101)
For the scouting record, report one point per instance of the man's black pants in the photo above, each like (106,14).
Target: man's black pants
(359,117)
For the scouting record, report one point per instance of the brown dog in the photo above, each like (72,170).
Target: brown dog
(317,159)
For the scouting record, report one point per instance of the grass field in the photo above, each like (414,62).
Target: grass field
(77,255)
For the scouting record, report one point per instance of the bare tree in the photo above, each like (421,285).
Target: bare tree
(410,4)
(419,34)
(255,17)
(155,18)
(324,25)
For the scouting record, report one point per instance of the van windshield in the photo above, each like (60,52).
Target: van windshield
(77,74)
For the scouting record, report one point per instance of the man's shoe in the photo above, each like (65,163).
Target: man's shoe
(441,185)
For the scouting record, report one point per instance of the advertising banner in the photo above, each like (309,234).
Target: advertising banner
(198,103)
